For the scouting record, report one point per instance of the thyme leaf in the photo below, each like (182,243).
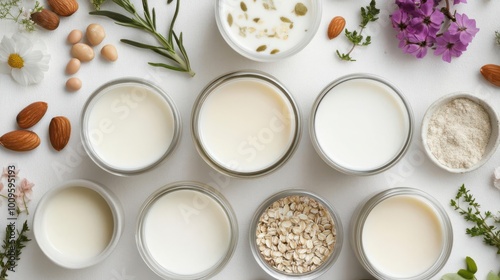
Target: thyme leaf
(171,46)
(12,248)
(484,222)
(368,14)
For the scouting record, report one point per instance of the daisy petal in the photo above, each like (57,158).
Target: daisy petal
(20,77)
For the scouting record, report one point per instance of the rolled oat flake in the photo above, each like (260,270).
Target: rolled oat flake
(458,133)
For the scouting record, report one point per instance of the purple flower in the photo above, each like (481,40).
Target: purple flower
(455,2)
(464,27)
(417,45)
(427,19)
(449,46)
(407,5)
(400,20)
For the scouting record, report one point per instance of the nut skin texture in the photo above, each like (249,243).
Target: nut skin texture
(335,27)
(109,52)
(59,132)
(95,34)
(73,84)
(20,140)
(83,52)
(31,114)
(491,72)
(46,19)
(64,8)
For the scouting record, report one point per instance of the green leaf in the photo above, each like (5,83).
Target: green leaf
(167,66)
(466,274)
(471,264)
(492,276)
(452,276)
(114,16)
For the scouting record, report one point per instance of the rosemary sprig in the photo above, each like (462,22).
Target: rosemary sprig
(471,212)
(497,37)
(368,14)
(147,23)
(12,249)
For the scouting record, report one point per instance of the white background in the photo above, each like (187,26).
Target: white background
(305,75)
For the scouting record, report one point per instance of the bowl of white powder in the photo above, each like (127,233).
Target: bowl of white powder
(460,132)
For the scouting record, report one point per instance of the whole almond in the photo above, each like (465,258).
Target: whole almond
(20,140)
(46,19)
(491,73)
(335,27)
(63,8)
(31,114)
(59,132)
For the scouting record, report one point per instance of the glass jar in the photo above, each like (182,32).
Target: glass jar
(401,233)
(289,200)
(186,230)
(65,215)
(245,124)
(361,124)
(129,126)
(265,30)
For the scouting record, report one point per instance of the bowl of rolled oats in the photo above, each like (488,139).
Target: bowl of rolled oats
(296,234)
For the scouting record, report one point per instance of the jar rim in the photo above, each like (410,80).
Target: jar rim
(339,167)
(102,90)
(364,210)
(204,189)
(329,262)
(222,80)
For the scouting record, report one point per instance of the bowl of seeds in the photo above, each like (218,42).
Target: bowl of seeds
(295,234)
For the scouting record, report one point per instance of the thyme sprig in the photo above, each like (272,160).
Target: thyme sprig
(497,37)
(147,23)
(12,248)
(368,14)
(484,222)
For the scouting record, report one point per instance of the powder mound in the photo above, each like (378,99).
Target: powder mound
(458,133)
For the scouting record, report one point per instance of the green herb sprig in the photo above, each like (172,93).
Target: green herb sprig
(12,10)
(11,251)
(368,14)
(497,37)
(484,222)
(147,23)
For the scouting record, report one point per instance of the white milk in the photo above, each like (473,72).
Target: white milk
(130,127)
(402,236)
(269,23)
(246,125)
(361,124)
(78,223)
(186,232)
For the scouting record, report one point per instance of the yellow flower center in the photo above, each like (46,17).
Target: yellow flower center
(15,61)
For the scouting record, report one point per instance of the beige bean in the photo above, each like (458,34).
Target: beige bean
(73,66)
(109,52)
(73,84)
(95,34)
(75,36)
(82,51)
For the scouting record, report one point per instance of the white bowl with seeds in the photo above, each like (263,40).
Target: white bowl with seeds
(295,234)
(460,132)
(268,30)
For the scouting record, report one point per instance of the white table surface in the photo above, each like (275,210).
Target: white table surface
(305,75)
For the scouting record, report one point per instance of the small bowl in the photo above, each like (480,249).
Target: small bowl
(243,25)
(281,272)
(56,231)
(494,137)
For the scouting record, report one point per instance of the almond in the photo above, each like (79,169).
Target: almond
(491,73)
(31,115)
(46,19)
(20,140)
(63,8)
(335,27)
(59,132)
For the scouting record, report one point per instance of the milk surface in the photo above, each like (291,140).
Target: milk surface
(246,125)
(130,127)
(78,223)
(186,232)
(402,236)
(361,124)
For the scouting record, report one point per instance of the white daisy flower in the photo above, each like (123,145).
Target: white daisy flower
(24,59)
